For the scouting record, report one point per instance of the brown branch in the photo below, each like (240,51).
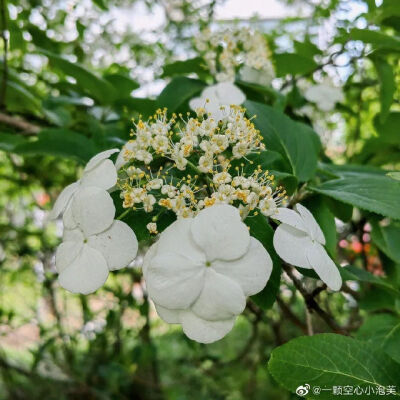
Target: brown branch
(3,20)
(290,315)
(311,304)
(24,126)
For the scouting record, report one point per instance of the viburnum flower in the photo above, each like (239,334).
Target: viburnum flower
(216,99)
(93,243)
(324,95)
(99,172)
(299,241)
(201,269)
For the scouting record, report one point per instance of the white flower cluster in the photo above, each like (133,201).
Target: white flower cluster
(201,269)
(206,151)
(224,52)
(93,242)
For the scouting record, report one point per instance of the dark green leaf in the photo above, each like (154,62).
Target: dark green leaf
(194,65)
(293,140)
(293,64)
(378,194)
(387,238)
(328,360)
(8,141)
(178,92)
(59,142)
(122,84)
(389,129)
(377,39)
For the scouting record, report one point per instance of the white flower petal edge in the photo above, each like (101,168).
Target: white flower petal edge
(301,244)
(218,97)
(93,243)
(200,271)
(99,172)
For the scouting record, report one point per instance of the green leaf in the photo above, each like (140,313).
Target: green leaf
(262,231)
(382,331)
(193,65)
(178,92)
(388,130)
(19,98)
(340,210)
(306,48)
(387,238)
(293,140)
(350,170)
(145,107)
(293,64)
(8,141)
(95,86)
(328,360)
(122,84)
(374,193)
(59,142)
(387,84)
(375,38)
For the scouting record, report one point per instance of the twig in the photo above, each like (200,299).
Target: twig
(290,315)
(26,127)
(311,304)
(3,18)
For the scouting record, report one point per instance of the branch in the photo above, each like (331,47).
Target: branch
(26,127)
(311,304)
(3,20)
(290,315)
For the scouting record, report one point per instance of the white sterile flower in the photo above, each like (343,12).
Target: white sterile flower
(99,172)
(299,241)
(201,269)
(94,243)
(216,99)
(324,95)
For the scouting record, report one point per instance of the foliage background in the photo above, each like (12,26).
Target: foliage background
(73,76)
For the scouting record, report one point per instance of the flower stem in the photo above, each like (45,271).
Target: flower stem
(126,212)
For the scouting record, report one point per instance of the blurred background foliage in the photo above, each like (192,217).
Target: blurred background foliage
(73,74)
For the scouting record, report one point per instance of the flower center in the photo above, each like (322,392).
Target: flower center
(208,263)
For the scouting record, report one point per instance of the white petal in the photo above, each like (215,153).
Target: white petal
(290,217)
(94,161)
(93,210)
(68,218)
(169,316)
(204,331)
(219,231)
(312,225)
(66,254)
(120,162)
(73,235)
(291,244)
(151,252)
(177,238)
(251,272)
(197,102)
(63,199)
(324,266)
(118,244)
(86,273)
(221,298)
(103,175)
(228,94)
(173,280)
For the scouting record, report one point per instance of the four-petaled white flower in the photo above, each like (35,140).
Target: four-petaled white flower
(299,241)
(201,269)
(216,99)
(99,172)
(93,243)
(324,95)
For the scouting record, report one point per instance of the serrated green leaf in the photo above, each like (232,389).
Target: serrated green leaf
(293,140)
(382,331)
(387,238)
(193,65)
(328,360)
(374,193)
(8,141)
(122,84)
